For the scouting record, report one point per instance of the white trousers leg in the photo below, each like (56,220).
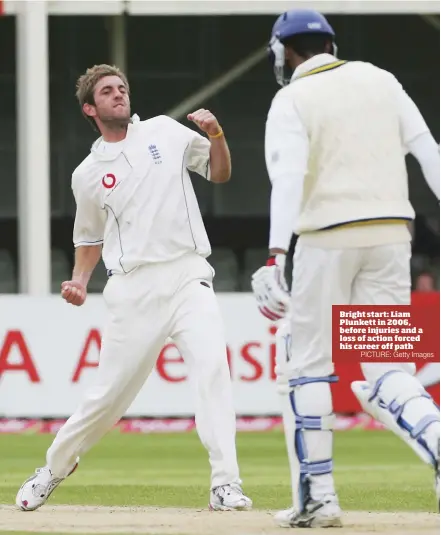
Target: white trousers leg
(131,344)
(384,279)
(199,335)
(384,276)
(321,278)
(325,277)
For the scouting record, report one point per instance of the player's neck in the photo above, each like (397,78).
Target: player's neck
(111,135)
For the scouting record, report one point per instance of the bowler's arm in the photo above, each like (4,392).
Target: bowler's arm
(88,235)
(209,158)
(220,160)
(86,260)
(286,155)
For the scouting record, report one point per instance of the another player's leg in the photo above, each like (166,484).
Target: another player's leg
(321,278)
(129,350)
(391,393)
(393,396)
(198,334)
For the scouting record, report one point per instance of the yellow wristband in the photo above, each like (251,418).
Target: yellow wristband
(219,134)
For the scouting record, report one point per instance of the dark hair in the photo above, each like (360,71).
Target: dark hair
(308,44)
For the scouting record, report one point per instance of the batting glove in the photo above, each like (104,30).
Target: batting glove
(270,288)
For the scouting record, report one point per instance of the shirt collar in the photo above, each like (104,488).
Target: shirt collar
(313,63)
(113,155)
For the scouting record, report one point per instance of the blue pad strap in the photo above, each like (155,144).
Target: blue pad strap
(317,468)
(419,427)
(396,409)
(376,388)
(315,423)
(309,423)
(307,380)
(423,424)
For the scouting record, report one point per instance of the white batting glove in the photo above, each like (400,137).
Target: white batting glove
(270,288)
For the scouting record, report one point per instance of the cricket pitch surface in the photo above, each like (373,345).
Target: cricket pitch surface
(185,521)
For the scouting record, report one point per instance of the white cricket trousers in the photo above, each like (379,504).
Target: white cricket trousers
(322,277)
(156,301)
(377,275)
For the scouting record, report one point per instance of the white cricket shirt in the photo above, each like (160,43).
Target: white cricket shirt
(136,196)
(335,143)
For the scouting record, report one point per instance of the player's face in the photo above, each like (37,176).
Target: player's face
(112,102)
(425,283)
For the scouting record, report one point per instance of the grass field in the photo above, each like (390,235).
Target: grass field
(374,471)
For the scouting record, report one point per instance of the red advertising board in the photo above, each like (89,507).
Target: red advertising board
(49,351)
(344,399)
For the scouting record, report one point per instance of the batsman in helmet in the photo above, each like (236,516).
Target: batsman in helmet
(336,138)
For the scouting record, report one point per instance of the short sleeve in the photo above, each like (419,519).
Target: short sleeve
(90,219)
(198,155)
(197,151)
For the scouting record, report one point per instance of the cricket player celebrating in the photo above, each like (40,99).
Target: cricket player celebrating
(336,137)
(136,205)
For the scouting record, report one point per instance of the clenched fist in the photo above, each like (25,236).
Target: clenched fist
(73,292)
(206,121)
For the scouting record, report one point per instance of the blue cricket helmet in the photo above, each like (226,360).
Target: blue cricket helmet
(290,23)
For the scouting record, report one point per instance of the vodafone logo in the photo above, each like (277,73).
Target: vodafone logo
(109,181)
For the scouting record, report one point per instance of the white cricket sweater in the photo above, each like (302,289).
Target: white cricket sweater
(342,128)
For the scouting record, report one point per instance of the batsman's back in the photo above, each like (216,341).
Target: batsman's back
(356,166)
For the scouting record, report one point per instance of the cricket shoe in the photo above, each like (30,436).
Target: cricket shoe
(324,513)
(228,498)
(36,490)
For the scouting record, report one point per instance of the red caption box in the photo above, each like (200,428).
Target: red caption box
(390,333)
